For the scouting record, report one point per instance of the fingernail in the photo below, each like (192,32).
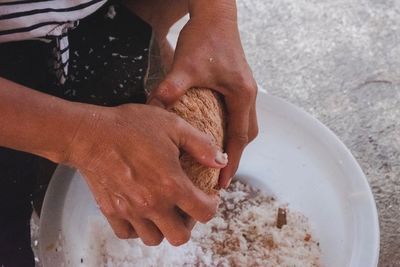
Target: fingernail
(221,158)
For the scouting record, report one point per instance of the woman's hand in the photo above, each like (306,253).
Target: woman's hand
(129,156)
(209,54)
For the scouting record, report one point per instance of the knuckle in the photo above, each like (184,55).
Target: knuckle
(169,89)
(170,186)
(109,212)
(248,87)
(147,202)
(165,88)
(240,138)
(183,193)
(179,123)
(254,133)
(181,129)
(168,182)
(252,137)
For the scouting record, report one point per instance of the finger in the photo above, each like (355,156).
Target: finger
(236,140)
(194,202)
(200,146)
(172,226)
(122,228)
(147,231)
(170,89)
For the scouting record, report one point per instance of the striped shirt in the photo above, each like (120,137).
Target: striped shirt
(46,20)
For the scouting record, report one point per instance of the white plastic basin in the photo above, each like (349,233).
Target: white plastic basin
(295,158)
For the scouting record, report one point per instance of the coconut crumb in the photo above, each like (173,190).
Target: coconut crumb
(111,13)
(243,233)
(118,55)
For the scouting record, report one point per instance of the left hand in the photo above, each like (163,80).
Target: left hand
(209,54)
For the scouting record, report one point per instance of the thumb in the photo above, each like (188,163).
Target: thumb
(170,89)
(201,146)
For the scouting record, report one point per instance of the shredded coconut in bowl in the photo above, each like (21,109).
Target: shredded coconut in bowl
(245,232)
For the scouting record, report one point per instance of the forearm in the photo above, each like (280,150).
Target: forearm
(160,14)
(213,10)
(37,123)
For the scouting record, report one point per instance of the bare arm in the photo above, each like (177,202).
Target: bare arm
(209,54)
(129,156)
(37,123)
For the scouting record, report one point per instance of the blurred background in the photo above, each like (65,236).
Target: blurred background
(340,61)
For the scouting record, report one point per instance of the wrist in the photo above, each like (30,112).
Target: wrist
(82,140)
(37,123)
(61,131)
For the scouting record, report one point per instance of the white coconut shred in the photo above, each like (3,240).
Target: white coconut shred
(244,233)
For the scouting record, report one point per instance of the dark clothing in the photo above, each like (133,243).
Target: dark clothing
(108,62)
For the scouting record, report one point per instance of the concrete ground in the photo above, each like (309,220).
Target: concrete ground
(340,61)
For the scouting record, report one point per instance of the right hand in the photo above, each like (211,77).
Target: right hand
(129,156)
